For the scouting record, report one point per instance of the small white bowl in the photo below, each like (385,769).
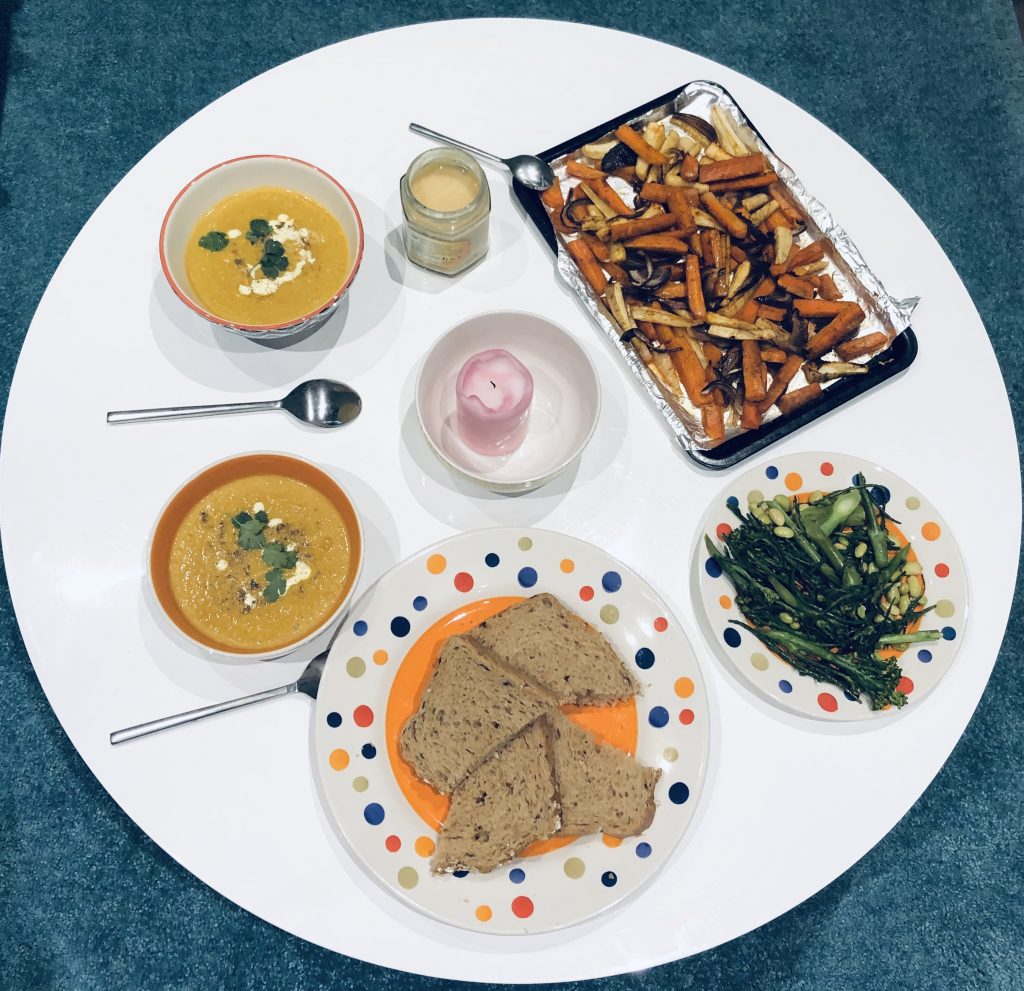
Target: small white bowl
(563,416)
(220,181)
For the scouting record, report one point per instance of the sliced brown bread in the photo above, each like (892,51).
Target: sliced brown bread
(600,788)
(557,650)
(501,808)
(471,706)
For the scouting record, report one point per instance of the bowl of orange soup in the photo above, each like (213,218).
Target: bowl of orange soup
(265,246)
(256,555)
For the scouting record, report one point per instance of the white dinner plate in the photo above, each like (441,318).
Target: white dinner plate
(372,681)
(923,664)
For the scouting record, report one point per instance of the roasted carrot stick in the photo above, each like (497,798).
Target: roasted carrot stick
(781,195)
(798,397)
(694,290)
(751,418)
(773,356)
(755,375)
(673,290)
(736,226)
(583,171)
(713,418)
(632,140)
(777,219)
(827,288)
(690,169)
(680,206)
(841,327)
(820,307)
(609,196)
(660,243)
(812,252)
(584,258)
(749,311)
(691,374)
(597,246)
(552,197)
(714,355)
(733,168)
(797,286)
(773,313)
(861,346)
(644,225)
(655,192)
(780,381)
(748,182)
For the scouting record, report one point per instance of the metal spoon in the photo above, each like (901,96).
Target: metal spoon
(319,402)
(308,684)
(531,171)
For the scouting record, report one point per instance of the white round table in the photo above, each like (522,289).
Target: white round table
(789,806)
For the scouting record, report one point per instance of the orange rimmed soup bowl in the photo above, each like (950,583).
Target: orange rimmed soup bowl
(255,556)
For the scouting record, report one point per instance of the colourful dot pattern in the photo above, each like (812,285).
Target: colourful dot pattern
(409,853)
(771,674)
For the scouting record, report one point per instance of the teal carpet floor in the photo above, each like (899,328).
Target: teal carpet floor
(932,93)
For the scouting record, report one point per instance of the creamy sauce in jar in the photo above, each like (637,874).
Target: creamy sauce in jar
(447,205)
(445,187)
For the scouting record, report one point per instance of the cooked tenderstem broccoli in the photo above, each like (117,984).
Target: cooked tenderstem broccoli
(818,606)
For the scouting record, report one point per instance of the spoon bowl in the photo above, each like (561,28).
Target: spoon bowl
(323,403)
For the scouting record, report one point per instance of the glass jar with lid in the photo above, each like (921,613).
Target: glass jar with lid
(447,206)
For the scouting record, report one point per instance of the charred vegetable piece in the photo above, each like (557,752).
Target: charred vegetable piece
(619,157)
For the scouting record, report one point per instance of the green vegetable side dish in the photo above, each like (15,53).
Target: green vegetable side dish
(824,585)
(249,533)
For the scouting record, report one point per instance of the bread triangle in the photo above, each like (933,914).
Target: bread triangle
(601,789)
(557,650)
(500,808)
(471,706)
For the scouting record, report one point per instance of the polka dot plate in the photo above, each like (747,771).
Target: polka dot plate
(375,674)
(932,546)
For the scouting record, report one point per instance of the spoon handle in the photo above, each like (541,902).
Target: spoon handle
(144,729)
(180,412)
(427,132)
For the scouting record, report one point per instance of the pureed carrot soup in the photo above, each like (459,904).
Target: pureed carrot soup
(266,256)
(260,562)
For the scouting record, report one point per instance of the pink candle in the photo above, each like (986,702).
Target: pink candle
(493,394)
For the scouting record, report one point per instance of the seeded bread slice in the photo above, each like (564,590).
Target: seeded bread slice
(557,650)
(501,808)
(472,705)
(600,788)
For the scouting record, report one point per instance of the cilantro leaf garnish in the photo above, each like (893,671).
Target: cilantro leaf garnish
(250,535)
(214,241)
(243,517)
(276,585)
(258,230)
(262,517)
(274,260)
(276,555)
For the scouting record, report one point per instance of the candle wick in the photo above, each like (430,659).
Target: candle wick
(493,386)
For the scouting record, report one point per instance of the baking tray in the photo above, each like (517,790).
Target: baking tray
(884,366)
